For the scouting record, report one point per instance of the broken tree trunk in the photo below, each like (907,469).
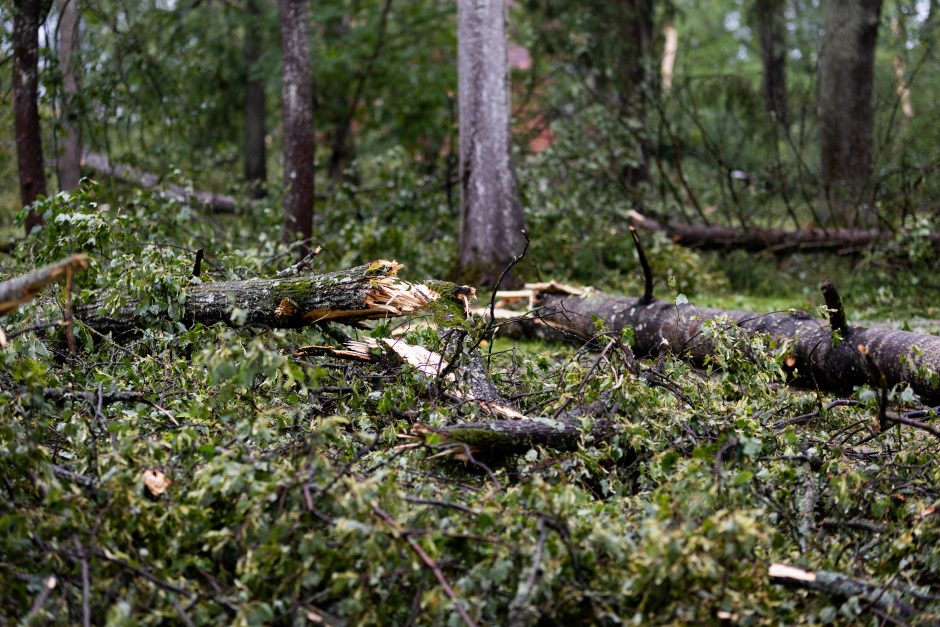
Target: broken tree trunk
(777,241)
(364,293)
(814,355)
(21,289)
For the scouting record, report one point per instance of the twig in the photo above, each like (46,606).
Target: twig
(301,265)
(429,562)
(48,585)
(647,272)
(69,319)
(491,325)
(813,414)
(86,585)
(517,607)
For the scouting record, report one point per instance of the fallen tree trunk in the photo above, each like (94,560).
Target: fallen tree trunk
(18,290)
(814,355)
(364,293)
(101,165)
(777,241)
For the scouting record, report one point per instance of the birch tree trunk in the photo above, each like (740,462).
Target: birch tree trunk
(256,170)
(69,165)
(297,96)
(846,82)
(491,216)
(26,15)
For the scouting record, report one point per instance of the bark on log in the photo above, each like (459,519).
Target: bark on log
(507,436)
(367,292)
(839,585)
(101,165)
(903,358)
(22,289)
(778,241)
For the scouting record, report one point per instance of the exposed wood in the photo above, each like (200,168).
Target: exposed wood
(778,241)
(670,50)
(367,292)
(18,290)
(100,165)
(903,358)
(841,586)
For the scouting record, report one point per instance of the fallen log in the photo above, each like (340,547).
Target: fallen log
(101,165)
(368,292)
(18,290)
(815,356)
(777,241)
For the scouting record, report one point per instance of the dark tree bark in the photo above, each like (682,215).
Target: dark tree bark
(777,241)
(771,27)
(491,218)
(635,37)
(256,158)
(100,165)
(367,292)
(69,165)
(297,97)
(846,82)
(26,18)
(819,359)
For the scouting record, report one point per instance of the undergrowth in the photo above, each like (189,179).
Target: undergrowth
(293,496)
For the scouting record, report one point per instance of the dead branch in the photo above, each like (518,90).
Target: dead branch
(16,291)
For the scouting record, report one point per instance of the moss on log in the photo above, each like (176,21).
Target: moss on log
(368,292)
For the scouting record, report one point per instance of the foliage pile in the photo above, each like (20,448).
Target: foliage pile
(292,496)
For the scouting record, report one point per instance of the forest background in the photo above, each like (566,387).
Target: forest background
(305,488)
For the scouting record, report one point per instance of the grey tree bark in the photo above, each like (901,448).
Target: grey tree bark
(26,18)
(256,169)
(491,217)
(297,103)
(770,24)
(69,164)
(846,82)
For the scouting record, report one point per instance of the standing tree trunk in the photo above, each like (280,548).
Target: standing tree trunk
(491,218)
(297,96)
(771,26)
(26,15)
(256,168)
(69,166)
(846,82)
(635,35)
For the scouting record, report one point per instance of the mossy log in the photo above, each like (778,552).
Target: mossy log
(18,290)
(367,292)
(508,436)
(815,356)
(777,241)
